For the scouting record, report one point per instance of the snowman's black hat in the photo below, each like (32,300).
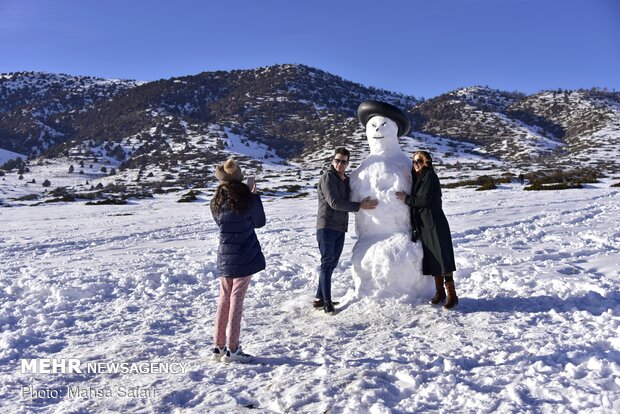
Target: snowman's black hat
(368,109)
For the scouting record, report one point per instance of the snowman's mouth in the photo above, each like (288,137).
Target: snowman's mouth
(378,137)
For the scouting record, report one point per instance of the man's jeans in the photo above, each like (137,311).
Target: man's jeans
(330,246)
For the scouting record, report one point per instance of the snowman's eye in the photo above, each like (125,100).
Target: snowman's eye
(383,123)
(374,125)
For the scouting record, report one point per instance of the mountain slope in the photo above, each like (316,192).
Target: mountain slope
(32,105)
(283,122)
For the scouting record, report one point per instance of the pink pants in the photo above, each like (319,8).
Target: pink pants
(229,309)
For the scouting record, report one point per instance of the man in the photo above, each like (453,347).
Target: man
(332,222)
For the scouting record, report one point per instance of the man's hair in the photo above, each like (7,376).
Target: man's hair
(343,151)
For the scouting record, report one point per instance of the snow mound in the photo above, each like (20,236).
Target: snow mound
(375,274)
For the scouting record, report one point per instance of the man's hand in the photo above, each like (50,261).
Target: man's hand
(368,203)
(401,195)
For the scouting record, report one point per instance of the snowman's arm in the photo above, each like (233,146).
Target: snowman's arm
(329,186)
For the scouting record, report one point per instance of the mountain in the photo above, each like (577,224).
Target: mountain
(290,108)
(287,119)
(548,128)
(31,104)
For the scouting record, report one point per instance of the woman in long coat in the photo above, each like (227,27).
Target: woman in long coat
(431,227)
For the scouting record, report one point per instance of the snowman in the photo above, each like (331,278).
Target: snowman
(386,262)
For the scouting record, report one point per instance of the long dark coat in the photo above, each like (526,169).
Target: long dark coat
(428,218)
(239,252)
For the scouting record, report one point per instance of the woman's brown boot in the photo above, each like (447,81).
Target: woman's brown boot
(452,298)
(440,294)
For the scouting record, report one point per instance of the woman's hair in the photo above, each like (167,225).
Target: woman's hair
(428,161)
(235,194)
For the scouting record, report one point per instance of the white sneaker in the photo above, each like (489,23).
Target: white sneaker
(218,353)
(237,356)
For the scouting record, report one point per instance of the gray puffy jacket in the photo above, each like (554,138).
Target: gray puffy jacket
(334,205)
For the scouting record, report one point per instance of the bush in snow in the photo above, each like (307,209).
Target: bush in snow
(10,165)
(557,186)
(560,180)
(189,197)
(46,183)
(484,182)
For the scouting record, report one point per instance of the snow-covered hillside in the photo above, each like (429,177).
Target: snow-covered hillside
(295,112)
(536,328)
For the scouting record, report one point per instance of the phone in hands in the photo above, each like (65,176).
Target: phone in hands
(251,182)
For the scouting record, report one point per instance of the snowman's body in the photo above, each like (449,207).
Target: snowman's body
(386,263)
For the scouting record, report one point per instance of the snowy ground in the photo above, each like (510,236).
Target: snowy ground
(537,328)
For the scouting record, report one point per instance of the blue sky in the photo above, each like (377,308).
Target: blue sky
(418,47)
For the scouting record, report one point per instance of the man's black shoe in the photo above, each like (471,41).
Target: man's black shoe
(328,307)
(318,303)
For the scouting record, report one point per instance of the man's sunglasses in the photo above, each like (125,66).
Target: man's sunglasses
(337,161)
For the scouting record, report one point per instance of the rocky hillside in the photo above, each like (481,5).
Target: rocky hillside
(32,103)
(548,127)
(285,119)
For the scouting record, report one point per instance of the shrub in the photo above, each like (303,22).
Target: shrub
(489,185)
(27,197)
(561,180)
(107,201)
(189,197)
(559,186)
(67,198)
(291,188)
(484,182)
(298,195)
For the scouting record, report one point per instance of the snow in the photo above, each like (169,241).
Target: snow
(536,328)
(241,145)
